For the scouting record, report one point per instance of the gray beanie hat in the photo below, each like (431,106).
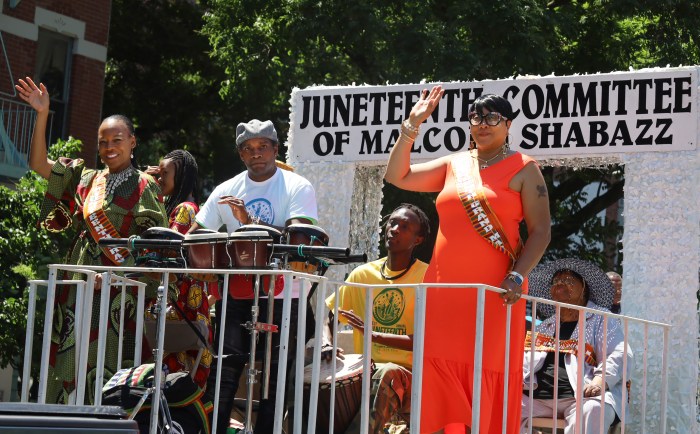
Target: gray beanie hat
(255,129)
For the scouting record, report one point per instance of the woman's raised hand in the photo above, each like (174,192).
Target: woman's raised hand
(35,96)
(425,105)
(152,170)
(38,98)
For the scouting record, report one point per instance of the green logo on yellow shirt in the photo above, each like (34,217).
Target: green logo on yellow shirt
(388,306)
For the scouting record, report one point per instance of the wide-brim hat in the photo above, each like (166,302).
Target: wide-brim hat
(600,288)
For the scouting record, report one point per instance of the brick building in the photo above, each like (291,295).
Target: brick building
(62,43)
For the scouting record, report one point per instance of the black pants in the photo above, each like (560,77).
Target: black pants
(237,348)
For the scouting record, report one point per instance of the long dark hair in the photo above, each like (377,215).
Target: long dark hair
(185,179)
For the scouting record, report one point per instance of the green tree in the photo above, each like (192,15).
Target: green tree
(160,75)
(283,44)
(615,35)
(242,58)
(270,47)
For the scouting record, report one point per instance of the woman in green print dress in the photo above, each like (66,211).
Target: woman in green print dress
(118,202)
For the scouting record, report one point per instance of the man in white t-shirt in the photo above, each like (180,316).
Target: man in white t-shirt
(263,195)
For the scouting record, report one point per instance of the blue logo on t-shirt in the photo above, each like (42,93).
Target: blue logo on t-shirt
(261,209)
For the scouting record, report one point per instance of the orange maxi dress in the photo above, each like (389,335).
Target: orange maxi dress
(462,256)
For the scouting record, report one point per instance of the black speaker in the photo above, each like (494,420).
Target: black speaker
(25,418)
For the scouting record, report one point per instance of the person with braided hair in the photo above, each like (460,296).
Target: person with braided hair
(177,176)
(392,315)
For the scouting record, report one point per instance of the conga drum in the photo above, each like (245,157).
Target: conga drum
(348,393)
(206,249)
(308,235)
(272,232)
(161,257)
(249,248)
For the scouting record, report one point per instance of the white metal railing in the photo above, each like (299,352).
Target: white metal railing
(16,126)
(325,287)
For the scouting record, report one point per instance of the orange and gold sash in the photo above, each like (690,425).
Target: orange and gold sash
(471,192)
(548,344)
(97,221)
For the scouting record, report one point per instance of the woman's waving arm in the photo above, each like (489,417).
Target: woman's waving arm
(427,177)
(38,98)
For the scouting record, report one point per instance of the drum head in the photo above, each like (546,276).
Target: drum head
(249,236)
(163,256)
(308,230)
(158,233)
(346,368)
(274,233)
(205,237)
(204,231)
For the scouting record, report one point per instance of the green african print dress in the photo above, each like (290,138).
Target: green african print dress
(129,207)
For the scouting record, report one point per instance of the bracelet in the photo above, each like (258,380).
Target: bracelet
(406,138)
(516,277)
(406,123)
(252,220)
(409,129)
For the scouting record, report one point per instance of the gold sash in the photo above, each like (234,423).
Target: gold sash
(570,346)
(97,221)
(471,192)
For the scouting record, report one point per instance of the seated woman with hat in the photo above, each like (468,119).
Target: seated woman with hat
(581,283)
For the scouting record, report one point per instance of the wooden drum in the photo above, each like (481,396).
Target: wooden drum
(248,248)
(348,393)
(206,249)
(308,235)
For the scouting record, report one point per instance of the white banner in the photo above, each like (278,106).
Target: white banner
(645,111)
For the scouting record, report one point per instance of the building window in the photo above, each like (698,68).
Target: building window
(53,67)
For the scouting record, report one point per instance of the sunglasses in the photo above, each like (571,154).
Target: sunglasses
(492,118)
(568,281)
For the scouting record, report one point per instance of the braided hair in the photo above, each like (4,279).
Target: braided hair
(185,179)
(422,218)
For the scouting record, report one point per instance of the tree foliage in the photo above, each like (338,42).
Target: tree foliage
(242,58)
(160,75)
(269,48)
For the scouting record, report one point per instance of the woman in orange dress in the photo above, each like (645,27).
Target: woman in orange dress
(484,195)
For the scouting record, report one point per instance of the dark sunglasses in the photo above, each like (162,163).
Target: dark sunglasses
(492,118)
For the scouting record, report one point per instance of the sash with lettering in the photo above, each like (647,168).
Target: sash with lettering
(97,222)
(471,192)
(549,344)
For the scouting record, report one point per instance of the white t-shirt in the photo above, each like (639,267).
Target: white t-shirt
(284,196)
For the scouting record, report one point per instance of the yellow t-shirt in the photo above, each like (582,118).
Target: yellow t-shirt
(393,308)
